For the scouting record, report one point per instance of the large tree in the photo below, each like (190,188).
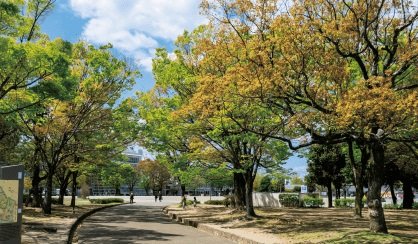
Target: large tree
(336,71)
(66,126)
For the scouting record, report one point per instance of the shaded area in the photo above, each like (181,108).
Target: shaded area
(134,223)
(113,234)
(310,225)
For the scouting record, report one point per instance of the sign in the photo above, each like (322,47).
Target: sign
(303,189)
(11,204)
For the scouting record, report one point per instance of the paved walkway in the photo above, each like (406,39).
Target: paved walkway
(139,223)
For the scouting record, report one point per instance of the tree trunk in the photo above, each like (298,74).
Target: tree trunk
(48,194)
(183,189)
(408,194)
(374,199)
(239,191)
(63,187)
(329,188)
(337,193)
(358,201)
(392,193)
(37,194)
(249,206)
(359,173)
(74,188)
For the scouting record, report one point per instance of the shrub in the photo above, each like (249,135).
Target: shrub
(289,200)
(344,203)
(296,189)
(215,202)
(392,206)
(312,202)
(415,205)
(229,200)
(106,200)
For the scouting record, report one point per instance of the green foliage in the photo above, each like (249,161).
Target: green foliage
(325,165)
(265,184)
(296,189)
(392,206)
(289,200)
(399,206)
(312,202)
(106,200)
(344,203)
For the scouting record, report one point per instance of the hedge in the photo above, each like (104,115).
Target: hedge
(106,200)
(312,202)
(289,200)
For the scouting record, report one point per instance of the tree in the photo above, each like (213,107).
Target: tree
(265,185)
(156,172)
(68,124)
(324,167)
(336,71)
(130,176)
(115,174)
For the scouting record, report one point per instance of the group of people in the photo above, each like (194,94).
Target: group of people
(160,197)
(184,201)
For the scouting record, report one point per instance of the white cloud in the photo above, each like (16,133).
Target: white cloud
(135,27)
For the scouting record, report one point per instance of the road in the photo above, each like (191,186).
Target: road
(141,222)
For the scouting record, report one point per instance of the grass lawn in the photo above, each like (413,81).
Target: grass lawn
(305,225)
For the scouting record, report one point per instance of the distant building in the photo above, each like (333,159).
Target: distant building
(135,154)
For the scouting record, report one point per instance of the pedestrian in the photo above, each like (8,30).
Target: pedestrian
(194,202)
(156,197)
(183,201)
(131,198)
(160,197)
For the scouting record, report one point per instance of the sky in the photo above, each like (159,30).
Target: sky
(135,28)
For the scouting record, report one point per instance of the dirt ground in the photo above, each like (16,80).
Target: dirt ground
(306,225)
(53,228)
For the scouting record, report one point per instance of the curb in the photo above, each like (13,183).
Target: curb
(80,219)
(208,229)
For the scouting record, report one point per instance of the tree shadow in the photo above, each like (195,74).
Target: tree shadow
(114,234)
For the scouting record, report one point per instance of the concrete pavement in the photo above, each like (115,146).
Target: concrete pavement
(139,223)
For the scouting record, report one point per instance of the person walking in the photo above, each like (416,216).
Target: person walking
(131,198)
(160,197)
(183,201)
(194,201)
(156,197)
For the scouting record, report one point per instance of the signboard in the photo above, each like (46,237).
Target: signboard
(11,203)
(9,193)
(303,189)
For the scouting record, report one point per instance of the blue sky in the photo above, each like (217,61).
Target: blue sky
(135,28)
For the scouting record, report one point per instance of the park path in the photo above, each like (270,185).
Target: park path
(139,223)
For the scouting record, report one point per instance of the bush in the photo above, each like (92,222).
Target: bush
(392,206)
(289,200)
(415,205)
(312,202)
(106,200)
(215,202)
(344,203)
(229,200)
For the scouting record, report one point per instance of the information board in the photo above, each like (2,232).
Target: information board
(11,203)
